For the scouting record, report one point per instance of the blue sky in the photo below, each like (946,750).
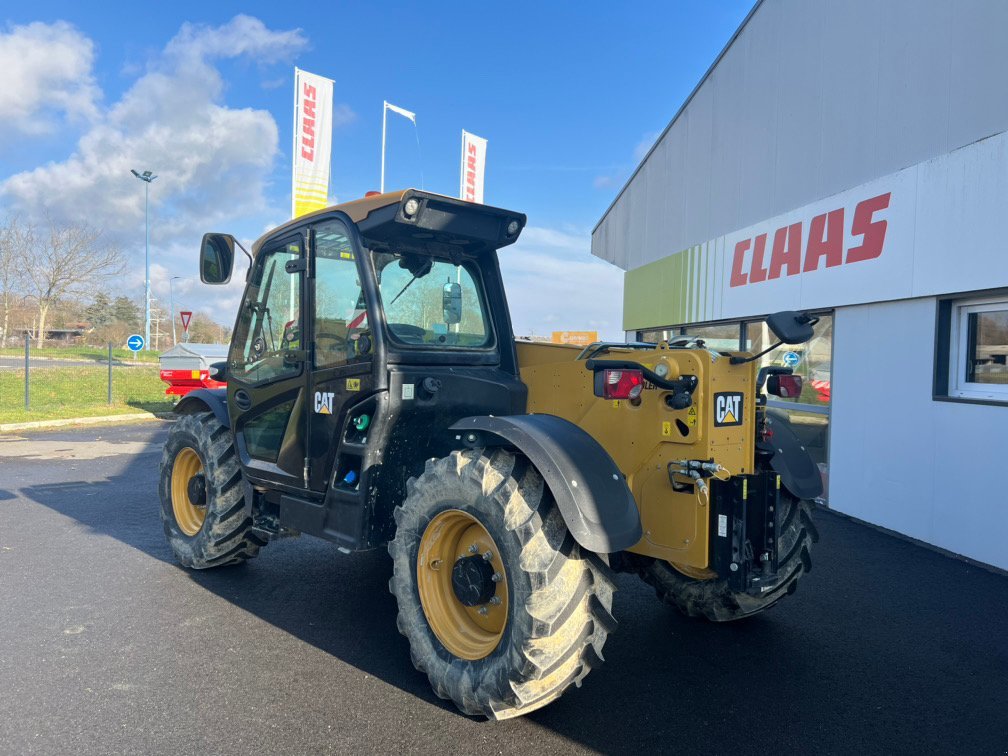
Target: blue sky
(569,96)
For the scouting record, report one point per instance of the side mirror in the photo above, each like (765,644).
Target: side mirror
(218,371)
(451,303)
(216,258)
(791,327)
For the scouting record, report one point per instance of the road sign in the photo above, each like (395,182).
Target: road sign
(135,342)
(791,359)
(186,316)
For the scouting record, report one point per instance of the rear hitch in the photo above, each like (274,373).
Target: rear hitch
(744,530)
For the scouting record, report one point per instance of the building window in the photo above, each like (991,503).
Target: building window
(976,334)
(719,336)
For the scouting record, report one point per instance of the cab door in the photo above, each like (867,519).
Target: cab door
(340,359)
(267,379)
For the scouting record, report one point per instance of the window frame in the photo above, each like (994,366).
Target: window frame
(953,326)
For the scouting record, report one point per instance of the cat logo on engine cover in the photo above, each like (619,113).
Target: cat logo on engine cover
(727,408)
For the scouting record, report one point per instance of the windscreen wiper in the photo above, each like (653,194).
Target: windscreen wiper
(403,289)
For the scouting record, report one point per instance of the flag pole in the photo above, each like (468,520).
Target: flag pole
(384,117)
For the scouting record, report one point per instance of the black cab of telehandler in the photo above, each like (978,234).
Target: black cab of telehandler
(359,342)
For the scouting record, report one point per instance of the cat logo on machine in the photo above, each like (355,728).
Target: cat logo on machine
(324,402)
(727,408)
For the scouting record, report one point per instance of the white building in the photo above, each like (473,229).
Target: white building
(850,158)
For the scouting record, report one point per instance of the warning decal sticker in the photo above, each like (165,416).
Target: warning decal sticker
(727,408)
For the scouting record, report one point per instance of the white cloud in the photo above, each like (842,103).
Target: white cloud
(342,115)
(647,141)
(554,284)
(241,36)
(618,176)
(213,161)
(47,74)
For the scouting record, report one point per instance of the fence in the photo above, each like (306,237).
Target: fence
(50,383)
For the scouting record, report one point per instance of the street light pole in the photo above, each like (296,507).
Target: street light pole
(171,304)
(147,177)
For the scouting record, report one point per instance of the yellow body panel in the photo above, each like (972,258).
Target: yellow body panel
(643,439)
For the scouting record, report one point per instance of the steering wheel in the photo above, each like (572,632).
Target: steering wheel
(407,331)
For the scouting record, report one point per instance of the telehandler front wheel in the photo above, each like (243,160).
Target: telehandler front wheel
(502,609)
(203,507)
(697,595)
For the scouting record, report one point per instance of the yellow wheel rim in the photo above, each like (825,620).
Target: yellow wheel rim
(468,632)
(697,573)
(188,515)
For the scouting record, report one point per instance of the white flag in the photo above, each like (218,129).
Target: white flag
(401,111)
(313,97)
(473,167)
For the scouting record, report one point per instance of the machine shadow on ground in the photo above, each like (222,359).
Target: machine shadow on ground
(885,643)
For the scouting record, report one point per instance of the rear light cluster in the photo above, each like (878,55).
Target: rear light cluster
(622,384)
(785,386)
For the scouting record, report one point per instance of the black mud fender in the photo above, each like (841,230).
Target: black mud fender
(589,489)
(202,400)
(799,473)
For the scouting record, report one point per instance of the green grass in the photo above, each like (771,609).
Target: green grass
(98,354)
(58,393)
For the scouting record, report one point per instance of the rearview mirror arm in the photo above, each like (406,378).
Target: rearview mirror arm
(736,360)
(242,248)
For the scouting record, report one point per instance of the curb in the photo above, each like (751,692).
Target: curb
(79,421)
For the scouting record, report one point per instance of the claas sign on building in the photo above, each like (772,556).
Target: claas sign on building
(580,338)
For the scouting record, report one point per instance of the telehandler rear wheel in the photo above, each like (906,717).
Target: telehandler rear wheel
(698,595)
(502,609)
(203,507)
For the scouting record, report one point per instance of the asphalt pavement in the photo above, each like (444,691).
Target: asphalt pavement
(108,646)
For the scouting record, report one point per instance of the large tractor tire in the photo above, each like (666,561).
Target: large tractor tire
(696,594)
(203,508)
(502,609)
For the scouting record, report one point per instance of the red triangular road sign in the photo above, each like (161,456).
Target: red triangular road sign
(186,316)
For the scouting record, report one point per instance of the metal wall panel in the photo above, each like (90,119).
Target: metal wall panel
(900,478)
(811,98)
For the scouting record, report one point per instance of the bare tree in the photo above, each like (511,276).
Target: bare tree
(12,265)
(203,330)
(65,260)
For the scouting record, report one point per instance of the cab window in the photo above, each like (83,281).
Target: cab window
(269,319)
(342,332)
(432,303)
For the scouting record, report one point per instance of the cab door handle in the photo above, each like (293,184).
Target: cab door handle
(242,399)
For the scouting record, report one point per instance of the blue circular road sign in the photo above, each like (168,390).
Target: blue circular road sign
(135,342)
(791,359)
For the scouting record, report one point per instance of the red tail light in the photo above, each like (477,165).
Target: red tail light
(785,386)
(622,384)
